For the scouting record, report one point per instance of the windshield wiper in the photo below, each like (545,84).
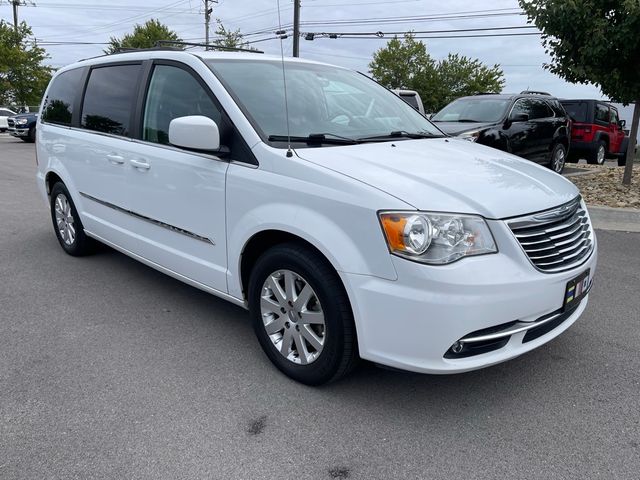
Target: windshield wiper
(315,139)
(398,134)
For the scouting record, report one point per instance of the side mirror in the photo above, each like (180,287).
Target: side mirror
(622,123)
(194,132)
(519,117)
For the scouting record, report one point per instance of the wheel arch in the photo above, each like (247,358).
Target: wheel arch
(561,136)
(50,179)
(604,137)
(262,241)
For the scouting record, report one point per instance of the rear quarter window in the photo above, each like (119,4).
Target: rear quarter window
(59,103)
(602,113)
(556,106)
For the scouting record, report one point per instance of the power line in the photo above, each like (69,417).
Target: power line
(451,16)
(454,36)
(414,32)
(102,28)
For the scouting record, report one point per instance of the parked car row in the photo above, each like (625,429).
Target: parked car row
(534,125)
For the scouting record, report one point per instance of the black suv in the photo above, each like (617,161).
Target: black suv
(533,125)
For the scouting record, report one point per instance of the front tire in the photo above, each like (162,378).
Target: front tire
(599,155)
(301,314)
(67,224)
(558,158)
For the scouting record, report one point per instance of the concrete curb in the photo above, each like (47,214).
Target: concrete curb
(618,219)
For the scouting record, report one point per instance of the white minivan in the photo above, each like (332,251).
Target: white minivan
(344,221)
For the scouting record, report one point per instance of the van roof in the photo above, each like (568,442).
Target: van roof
(174,54)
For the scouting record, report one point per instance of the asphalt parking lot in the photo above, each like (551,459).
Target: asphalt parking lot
(109,369)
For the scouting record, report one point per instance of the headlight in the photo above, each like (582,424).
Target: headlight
(436,238)
(22,121)
(471,136)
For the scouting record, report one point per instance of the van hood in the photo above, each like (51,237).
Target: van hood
(449,175)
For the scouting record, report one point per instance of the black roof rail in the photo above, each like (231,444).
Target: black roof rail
(534,92)
(149,49)
(164,43)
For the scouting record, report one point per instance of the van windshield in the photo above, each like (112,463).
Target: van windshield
(324,102)
(475,109)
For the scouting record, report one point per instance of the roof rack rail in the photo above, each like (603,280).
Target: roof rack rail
(534,92)
(149,49)
(165,43)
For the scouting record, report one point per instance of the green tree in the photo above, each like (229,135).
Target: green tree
(143,36)
(403,64)
(458,76)
(228,38)
(407,64)
(594,41)
(23,77)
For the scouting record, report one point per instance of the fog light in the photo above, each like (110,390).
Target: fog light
(457,347)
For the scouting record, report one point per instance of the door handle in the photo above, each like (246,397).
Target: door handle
(139,164)
(115,159)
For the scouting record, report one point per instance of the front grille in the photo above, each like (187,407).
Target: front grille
(555,240)
(10,122)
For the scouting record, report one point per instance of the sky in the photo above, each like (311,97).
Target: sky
(521,57)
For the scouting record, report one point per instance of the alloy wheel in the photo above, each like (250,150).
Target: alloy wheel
(600,155)
(64,219)
(293,317)
(558,160)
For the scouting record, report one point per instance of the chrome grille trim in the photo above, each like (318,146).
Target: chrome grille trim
(555,240)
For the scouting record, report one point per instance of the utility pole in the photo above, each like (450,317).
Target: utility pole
(15,4)
(296,28)
(207,20)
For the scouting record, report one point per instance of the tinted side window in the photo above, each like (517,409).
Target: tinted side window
(58,104)
(174,92)
(602,113)
(557,108)
(540,109)
(577,110)
(108,100)
(524,105)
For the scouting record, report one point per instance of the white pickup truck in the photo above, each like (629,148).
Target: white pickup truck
(412,98)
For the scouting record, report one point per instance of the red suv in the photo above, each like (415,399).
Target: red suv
(597,132)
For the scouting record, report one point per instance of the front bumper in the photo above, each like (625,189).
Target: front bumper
(18,132)
(412,322)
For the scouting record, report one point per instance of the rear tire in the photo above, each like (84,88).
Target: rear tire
(558,158)
(599,155)
(67,225)
(301,314)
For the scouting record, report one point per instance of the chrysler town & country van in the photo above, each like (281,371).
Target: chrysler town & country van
(344,221)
